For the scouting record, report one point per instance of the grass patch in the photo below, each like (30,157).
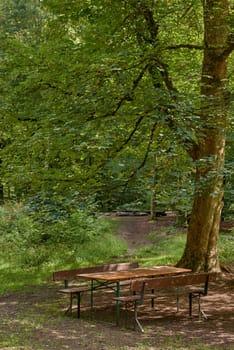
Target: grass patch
(166,248)
(226,247)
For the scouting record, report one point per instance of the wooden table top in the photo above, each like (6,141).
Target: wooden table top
(144,272)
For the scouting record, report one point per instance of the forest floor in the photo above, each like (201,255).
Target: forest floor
(33,319)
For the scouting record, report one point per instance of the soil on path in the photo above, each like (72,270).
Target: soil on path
(34,319)
(135,229)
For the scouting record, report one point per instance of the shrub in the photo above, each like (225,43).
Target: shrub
(17,228)
(78,238)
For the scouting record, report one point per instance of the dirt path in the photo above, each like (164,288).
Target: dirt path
(135,229)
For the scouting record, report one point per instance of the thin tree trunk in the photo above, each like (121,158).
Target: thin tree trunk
(153,202)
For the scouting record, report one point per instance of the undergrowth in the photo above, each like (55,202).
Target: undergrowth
(31,250)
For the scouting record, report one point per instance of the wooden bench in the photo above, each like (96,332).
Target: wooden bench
(195,285)
(75,291)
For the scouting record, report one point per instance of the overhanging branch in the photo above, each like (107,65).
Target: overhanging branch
(185,46)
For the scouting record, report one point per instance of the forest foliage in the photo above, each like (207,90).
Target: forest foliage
(104,102)
(92,106)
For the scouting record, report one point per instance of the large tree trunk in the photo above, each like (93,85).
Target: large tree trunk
(201,247)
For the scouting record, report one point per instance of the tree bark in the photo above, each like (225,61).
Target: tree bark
(202,238)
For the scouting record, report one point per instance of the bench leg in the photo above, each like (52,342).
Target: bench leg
(177,303)
(91,295)
(69,309)
(136,318)
(190,304)
(117,306)
(152,300)
(201,313)
(78,304)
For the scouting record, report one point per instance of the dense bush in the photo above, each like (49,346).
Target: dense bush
(78,238)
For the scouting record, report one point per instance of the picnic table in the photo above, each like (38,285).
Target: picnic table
(117,277)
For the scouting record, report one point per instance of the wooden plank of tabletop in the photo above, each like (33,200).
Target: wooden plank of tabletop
(134,273)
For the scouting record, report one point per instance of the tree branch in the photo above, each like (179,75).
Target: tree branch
(230,45)
(185,46)
(142,164)
(152,25)
(128,139)
(126,97)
